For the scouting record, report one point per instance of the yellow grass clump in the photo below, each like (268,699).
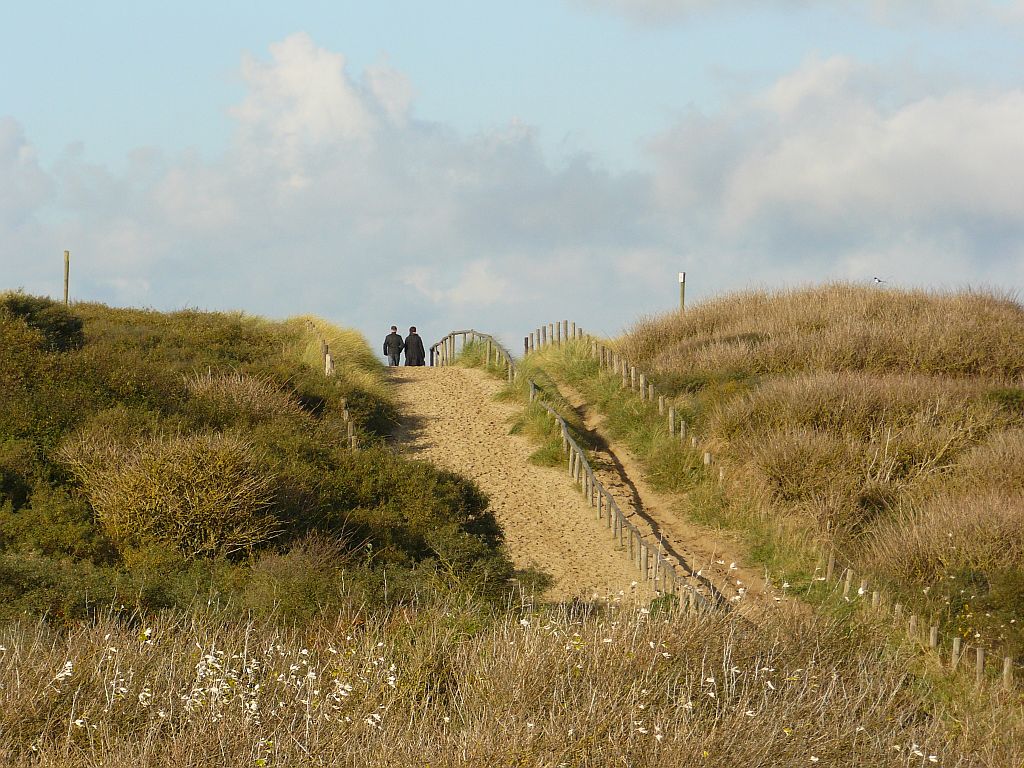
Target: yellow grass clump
(206,494)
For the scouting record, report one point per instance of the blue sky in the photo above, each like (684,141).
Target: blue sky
(500,165)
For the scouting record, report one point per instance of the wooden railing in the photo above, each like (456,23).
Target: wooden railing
(445,351)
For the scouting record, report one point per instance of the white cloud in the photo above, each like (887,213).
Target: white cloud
(823,166)
(334,198)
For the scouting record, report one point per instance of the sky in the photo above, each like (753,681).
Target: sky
(501,165)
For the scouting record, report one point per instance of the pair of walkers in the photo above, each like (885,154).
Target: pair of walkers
(412,345)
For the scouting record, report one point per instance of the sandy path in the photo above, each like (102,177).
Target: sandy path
(450,417)
(712,557)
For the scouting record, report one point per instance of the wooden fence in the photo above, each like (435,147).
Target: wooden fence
(649,558)
(950,650)
(328,368)
(448,348)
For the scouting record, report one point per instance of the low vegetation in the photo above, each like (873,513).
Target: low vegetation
(158,460)
(447,685)
(882,425)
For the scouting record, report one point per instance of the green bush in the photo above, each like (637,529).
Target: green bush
(60,328)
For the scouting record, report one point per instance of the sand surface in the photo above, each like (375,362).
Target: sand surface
(712,558)
(450,418)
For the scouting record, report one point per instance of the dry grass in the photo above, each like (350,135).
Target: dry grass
(885,425)
(205,494)
(354,360)
(837,327)
(257,397)
(452,687)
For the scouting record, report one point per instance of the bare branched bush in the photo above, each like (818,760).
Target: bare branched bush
(204,493)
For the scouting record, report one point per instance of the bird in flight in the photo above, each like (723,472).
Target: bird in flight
(877,280)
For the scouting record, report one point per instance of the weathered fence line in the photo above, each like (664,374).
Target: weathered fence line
(632,378)
(445,351)
(660,572)
(648,558)
(351,438)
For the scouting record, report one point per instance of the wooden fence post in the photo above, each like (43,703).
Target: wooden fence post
(643,386)
(67,275)
(830,569)
(933,637)
(847,583)
(661,405)
(954,658)
(707,458)
(671,421)
(650,392)
(566,323)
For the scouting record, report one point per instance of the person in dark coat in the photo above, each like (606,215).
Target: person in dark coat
(414,352)
(393,346)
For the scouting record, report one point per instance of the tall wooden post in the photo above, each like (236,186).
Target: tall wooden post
(682,291)
(67,274)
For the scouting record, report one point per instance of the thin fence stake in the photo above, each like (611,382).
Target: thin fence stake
(954,658)
(847,583)
(979,666)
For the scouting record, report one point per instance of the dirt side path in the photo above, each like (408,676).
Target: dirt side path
(450,417)
(713,558)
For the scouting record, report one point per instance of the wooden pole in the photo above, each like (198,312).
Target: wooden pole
(682,291)
(558,334)
(830,568)
(671,421)
(661,405)
(847,583)
(650,392)
(643,386)
(954,658)
(933,637)
(67,274)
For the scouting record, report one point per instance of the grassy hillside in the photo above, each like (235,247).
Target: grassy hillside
(159,459)
(885,425)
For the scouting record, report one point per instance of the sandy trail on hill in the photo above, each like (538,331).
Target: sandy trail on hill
(450,418)
(712,557)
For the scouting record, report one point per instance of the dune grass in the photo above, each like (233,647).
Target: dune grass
(881,425)
(452,685)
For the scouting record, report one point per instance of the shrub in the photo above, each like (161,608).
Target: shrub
(242,399)
(205,494)
(61,329)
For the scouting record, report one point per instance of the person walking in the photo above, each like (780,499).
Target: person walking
(414,352)
(393,346)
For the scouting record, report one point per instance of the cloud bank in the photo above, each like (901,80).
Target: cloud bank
(334,198)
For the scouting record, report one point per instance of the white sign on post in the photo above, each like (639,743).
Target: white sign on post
(682,277)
